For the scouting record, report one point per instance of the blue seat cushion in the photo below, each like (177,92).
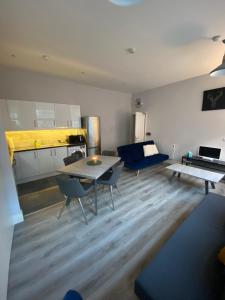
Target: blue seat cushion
(187,267)
(72,295)
(146,161)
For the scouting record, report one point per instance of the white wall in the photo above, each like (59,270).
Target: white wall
(9,210)
(114,108)
(175,116)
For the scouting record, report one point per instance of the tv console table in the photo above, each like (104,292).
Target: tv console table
(217,165)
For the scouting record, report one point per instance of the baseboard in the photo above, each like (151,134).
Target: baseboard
(18,218)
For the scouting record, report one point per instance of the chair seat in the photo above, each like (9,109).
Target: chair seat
(105,177)
(72,295)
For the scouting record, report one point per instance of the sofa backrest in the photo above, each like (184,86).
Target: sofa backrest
(132,152)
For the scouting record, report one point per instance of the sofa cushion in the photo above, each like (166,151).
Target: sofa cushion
(150,150)
(186,267)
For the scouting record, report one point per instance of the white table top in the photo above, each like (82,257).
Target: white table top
(197,172)
(81,169)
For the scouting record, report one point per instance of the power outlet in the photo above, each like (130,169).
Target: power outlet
(173,146)
(223,139)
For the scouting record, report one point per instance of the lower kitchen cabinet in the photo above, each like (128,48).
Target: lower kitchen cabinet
(36,164)
(26,164)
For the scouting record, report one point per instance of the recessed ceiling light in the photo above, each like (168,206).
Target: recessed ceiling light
(125,2)
(130,50)
(13,55)
(45,57)
(82,73)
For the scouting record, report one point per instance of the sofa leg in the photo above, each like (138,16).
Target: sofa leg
(138,172)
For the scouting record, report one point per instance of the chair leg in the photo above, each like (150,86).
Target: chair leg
(111,193)
(137,173)
(66,203)
(117,189)
(82,209)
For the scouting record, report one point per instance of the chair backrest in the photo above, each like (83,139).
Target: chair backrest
(72,158)
(116,171)
(70,187)
(108,152)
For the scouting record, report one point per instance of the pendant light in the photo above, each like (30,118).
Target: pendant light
(220,70)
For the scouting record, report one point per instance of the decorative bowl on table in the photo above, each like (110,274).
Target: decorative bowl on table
(94,162)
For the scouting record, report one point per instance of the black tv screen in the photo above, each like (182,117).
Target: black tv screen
(209,152)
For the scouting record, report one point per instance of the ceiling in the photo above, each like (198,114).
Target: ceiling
(86,40)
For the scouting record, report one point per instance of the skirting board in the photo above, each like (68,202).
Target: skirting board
(18,218)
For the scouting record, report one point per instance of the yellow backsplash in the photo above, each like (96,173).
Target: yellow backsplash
(30,139)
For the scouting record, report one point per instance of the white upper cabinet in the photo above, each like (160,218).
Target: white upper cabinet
(21,114)
(62,115)
(45,115)
(25,115)
(67,116)
(75,116)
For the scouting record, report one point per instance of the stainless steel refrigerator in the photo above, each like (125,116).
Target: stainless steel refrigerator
(93,138)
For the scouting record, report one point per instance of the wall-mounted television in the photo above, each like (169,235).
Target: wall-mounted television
(209,152)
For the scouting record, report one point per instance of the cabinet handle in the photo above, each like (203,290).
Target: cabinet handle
(35,123)
(71,123)
(55,151)
(51,152)
(35,154)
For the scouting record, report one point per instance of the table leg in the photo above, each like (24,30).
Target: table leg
(213,185)
(206,187)
(174,174)
(96,197)
(178,175)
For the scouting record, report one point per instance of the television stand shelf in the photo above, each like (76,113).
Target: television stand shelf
(215,164)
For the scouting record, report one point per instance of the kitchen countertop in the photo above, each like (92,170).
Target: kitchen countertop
(31,148)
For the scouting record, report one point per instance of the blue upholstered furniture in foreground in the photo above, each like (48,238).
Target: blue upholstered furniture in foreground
(72,295)
(133,156)
(186,267)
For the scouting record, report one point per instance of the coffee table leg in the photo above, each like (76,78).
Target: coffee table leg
(178,175)
(212,185)
(96,198)
(206,187)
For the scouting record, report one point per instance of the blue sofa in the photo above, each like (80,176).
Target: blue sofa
(133,156)
(186,267)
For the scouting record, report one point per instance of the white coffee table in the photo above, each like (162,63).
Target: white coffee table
(207,176)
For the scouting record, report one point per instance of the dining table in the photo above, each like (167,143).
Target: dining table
(91,167)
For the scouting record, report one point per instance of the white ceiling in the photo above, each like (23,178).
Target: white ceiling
(171,37)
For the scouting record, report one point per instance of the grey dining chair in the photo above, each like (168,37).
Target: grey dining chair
(72,188)
(111,179)
(108,152)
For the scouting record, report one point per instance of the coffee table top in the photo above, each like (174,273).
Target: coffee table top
(197,172)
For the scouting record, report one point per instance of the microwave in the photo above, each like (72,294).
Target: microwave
(76,139)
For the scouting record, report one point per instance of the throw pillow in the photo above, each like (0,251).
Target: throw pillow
(150,150)
(221,255)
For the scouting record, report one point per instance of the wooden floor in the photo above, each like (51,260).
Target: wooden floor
(101,260)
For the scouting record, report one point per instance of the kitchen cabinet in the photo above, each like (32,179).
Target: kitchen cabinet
(44,115)
(27,115)
(21,114)
(46,162)
(60,153)
(75,117)
(26,164)
(35,164)
(67,116)
(62,115)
